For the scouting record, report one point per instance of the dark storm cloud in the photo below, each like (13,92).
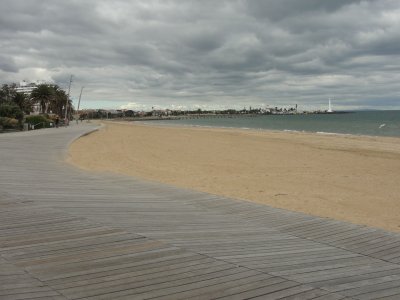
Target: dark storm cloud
(221,53)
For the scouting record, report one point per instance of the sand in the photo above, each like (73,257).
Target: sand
(350,178)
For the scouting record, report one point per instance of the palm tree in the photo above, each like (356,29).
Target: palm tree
(24,103)
(43,94)
(52,99)
(59,101)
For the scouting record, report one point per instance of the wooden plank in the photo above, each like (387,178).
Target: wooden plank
(263,291)
(227,289)
(103,236)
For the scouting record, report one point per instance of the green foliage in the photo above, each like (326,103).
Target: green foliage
(38,121)
(23,102)
(8,123)
(11,111)
(43,94)
(50,97)
(7,93)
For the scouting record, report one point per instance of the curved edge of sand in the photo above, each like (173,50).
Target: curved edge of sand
(348,178)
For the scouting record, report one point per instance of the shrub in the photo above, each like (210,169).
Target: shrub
(11,111)
(38,120)
(8,123)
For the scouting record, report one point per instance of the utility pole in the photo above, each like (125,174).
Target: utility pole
(80,95)
(79,103)
(66,105)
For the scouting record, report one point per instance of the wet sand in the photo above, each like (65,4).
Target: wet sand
(350,178)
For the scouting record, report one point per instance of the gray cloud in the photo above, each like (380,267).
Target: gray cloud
(7,64)
(284,9)
(215,53)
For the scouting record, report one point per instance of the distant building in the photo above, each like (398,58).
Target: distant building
(27,87)
(161,112)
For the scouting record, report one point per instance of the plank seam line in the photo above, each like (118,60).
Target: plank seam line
(278,229)
(33,276)
(58,209)
(179,247)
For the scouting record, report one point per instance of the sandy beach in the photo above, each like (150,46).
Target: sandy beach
(350,178)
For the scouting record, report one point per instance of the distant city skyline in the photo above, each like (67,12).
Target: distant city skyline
(208,54)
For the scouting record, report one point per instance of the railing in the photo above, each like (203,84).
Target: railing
(43,125)
(34,125)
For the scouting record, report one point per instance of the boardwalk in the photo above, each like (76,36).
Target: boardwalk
(68,234)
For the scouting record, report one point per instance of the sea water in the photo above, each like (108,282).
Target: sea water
(372,123)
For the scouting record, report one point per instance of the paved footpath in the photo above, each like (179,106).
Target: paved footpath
(69,234)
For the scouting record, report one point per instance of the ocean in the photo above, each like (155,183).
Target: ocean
(371,123)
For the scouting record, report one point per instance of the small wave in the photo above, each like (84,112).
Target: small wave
(327,133)
(334,133)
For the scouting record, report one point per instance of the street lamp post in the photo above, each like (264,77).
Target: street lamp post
(66,105)
(79,103)
(80,95)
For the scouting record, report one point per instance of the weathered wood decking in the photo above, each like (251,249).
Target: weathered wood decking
(68,234)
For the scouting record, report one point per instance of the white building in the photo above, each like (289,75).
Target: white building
(27,87)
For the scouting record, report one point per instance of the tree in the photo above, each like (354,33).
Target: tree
(23,102)
(59,101)
(43,94)
(7,93)
(11,111)
(52,99)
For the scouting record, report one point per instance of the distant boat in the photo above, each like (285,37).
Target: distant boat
(329,107)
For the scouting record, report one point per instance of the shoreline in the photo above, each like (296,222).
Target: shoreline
(245,129)
(392,140)
(350,178)
(150,123)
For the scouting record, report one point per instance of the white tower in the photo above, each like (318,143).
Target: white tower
(330,106)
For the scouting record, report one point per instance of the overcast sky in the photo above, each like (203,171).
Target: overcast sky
(207,54)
